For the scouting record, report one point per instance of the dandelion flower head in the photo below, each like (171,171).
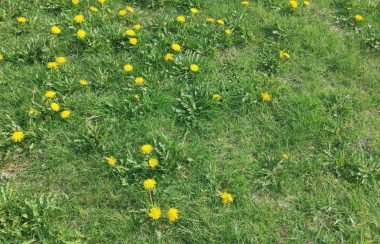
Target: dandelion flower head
(155,213)
(149,184)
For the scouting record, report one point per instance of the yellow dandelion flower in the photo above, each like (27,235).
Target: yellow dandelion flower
(209,19)
(176,47)
(155,213)
(133,41)
(137,27)
(194,10)
(359,18)
(216,97)
(101,1)
(130,10)
(81,34)
(55,30)
(139,80)
(17,136)
(50,94)
(285,156)
(150,184)
(94,9)
(111,160)
(181,19)
(146,148)
(228,32)
(79,18)
(306,3)
(52,65)
(153,162)
(75,1)
(245,2)
(194,67)
(55,107)
(226,197)
(32,111)
(129,32)
(172,214)
(284,55)
(128,68)
(169,57)
(293,4)
(65,114)
(265,96)
(60,60)
(21,19)
(220,21)
(83,82)
(122,12)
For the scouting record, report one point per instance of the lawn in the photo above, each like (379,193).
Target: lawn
(189,121)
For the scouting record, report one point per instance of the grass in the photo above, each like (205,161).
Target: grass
(323,112)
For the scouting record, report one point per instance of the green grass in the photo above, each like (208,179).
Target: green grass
(324,112)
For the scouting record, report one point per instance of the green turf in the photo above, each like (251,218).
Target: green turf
(324,113)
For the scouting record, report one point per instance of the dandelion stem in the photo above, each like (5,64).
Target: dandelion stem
(151,197)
